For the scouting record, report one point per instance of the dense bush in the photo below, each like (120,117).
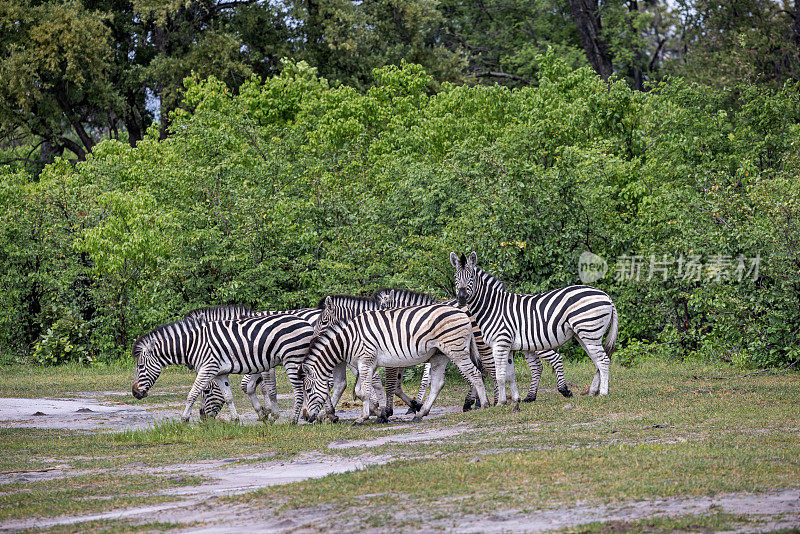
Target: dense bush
(291,188)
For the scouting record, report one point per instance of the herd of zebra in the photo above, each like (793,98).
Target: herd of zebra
(478,331)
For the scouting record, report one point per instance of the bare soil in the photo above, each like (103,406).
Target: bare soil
(87,412)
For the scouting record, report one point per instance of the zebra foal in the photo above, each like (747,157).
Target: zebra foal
(398,337)
(541,322)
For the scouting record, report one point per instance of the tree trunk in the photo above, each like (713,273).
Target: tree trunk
(586,14)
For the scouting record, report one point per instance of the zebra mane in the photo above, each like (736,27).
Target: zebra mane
(489,280)
(324,338)
(190,321)
(406,295)
(346,299)
(230,311)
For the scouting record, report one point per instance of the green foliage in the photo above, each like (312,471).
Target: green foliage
(67,340)
(290,189)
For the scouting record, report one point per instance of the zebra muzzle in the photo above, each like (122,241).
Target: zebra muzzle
(138,393)
(461,295)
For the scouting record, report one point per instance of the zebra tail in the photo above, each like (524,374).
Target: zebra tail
(611,335)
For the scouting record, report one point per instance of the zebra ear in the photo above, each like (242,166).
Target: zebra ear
(454,260)
(472,261)
(391,295)
(328,302)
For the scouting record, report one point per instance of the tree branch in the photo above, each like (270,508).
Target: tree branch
(492,74)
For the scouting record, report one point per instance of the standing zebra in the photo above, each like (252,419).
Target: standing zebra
(217,348)
(341,308)
(402,297)
(393,338)
(395,298)
(512,321)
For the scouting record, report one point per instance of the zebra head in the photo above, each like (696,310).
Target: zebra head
(328,316)
(465,275)
(385,299)
(148,368)
(315,396)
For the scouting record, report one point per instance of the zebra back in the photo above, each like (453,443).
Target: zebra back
(340,308)
(397,298)
(220,313)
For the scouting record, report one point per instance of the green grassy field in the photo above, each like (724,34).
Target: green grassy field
(668,430)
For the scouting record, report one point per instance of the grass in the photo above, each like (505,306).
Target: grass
(86,493)
(664,431)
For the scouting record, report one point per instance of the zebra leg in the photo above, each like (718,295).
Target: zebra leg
(293,372)
(227,394)
(392,375)
(423,387)
(486,358)
(250,385)
(470,400)
(535,365)
(511,377)
(438,364)
(269,387)
(557,362)
(339,379)
(366,369)
(602,363)
(471,374)
(201,382)
(398,390)
(501,353)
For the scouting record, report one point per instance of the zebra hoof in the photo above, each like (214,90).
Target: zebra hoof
(467,406)
(529,398)
(416,406)
(477,403)
(417,419)
(410,411)
(333,419)
(565,392)
(381,420)
(515,408)
(357,422)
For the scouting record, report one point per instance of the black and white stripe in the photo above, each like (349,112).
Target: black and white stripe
(341,308)
(215,349)
(398,337)
(512,321)
(393,297)
(403,297)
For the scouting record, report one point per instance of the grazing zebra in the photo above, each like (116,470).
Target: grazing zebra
(213,399)
(402,297)
(215,349)
(512,321)
(341,308)
(398,337)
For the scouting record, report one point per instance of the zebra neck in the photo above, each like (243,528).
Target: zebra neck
(180,347)
(488,295)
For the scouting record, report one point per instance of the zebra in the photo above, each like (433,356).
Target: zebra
(402,297)
(397,337)
(512,321)
(213,399)
(340,308)
(246,345)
